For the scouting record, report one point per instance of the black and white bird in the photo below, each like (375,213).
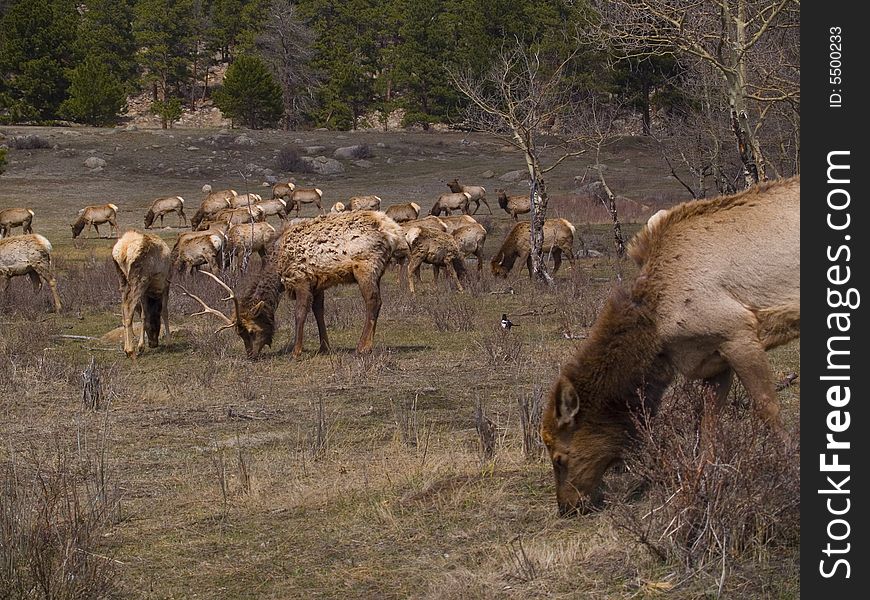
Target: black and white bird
(506,323)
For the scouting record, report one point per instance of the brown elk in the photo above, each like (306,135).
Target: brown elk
(234,216)
(477,193)
(194,249)
(300,196)
(244,239)
(244,200)
(470,240)
(28,254)
(514,205)
(307,259)
(283,190)
(436,248)
(338,207)
(718,286)
(142,261)
(275,206)
(364,203)
(92,216)
(455,222)
(211,204)
(163,206)
(430,221)
(401,213)
(15,217)
(447,203)
(558,240)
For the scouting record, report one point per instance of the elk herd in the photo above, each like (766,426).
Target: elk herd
(717,286)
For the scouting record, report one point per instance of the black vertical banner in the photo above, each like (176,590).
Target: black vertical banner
(835,228)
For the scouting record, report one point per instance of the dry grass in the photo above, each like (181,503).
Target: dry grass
(328,476)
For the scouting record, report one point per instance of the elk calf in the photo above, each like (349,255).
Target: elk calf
(29,255)
(92,216)
(142,261)
(15,217)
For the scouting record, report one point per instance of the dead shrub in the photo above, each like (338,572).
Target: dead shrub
(289,159)
(487,433)
(531,407)
(721,487)
(28,142)
(452,313)
(500,347)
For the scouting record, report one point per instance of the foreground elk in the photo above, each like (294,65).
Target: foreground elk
(15,217)
(514,205)
(477,193)
(307,259)
(517,246)
(401,213)
(30,255)
(143,264)
(194,249)
(244,239)
(719,284)
(437,248)
(447,203)
(92,216)
(211,204)
(162,207)
(470,240)
(275,206)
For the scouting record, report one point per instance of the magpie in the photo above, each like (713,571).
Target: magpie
(506,323)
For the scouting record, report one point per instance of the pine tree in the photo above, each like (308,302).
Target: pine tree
(96,95)
(106,32)
(250,94)
(164,30)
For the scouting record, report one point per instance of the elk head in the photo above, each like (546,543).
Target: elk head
(251,320)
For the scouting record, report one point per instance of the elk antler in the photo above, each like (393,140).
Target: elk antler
(207,310)
(232,295)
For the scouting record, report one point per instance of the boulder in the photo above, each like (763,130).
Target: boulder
(94,162)
(351,152)
(322,165)
(514,176)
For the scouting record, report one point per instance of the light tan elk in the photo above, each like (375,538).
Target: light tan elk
(514,205)
(194,249)
(244,239)
(92,216)
(306,260)
(15,217)
(162,207)
(447,203)
(455,222)
(558,240)
(436,248)
(210,205)
(244,200)
(364,203)
(283,190)
(28,254)
(718,286)
(338,207)
(300,196)
(234,216)
(275,206)
(142,261)
(477,193)
(401,213)
(470,240)
(429,221)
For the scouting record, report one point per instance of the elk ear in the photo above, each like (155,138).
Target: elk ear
(567,403)
(255,310)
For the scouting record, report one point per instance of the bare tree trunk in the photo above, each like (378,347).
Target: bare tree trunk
(609,201)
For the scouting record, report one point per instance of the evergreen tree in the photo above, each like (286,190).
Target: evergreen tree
(250,94)
(36,48)
(164,30)
(96,95)
(106,33)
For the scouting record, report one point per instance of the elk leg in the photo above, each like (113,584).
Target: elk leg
(164,313)
(479,254)
(436,273)
(450,269)
(571,258)
(529,264)
(182,215)
(35,281)
(303,305)
(114,225)
(96,228)
(557,259)
(487,205)
(371,292)
(161,219)
(317,307)
(414,272)
(747,357)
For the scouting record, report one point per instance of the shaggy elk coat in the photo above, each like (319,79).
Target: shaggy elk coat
(517,246)
(162,207)
(477,193)
(447,203)
(30,255)
(275,206)
(15,217)
(92,216)
(244,200)
(283,190)
(364,203)
(401,213)
(194,249)
(718,286)
(142,263)
(454,223)
(234,216)
(211,204)
(470,240)
(244,239)
(300,196)
(514,205)
(307,259)
(436,248)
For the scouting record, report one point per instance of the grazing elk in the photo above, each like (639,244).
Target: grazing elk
(194,249)
(244,239)
(364,203)
(470,240)
(92,216)
(454,223)
(244,200)
(300,196)
(514,205)
(142,261)
(307,259)
(558,240)
(283,190)
(436,248)
(164,206)
(429,221)
(211,204)
(28,254)
(477,193)
(718,286)
(447,203)
(15,217)
(234,216)
(401,213)
(275,206)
